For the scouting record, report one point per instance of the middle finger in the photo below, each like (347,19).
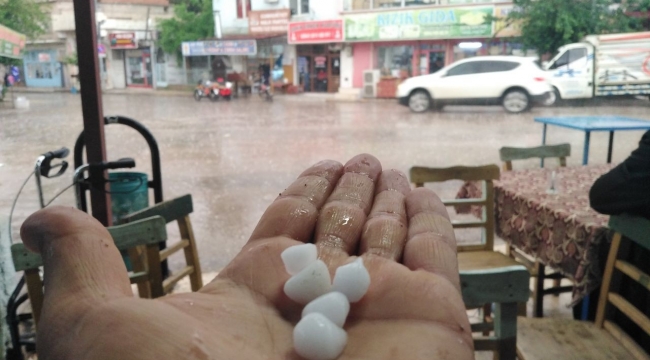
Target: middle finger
(343,215)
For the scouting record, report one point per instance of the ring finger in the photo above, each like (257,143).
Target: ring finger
(385,231)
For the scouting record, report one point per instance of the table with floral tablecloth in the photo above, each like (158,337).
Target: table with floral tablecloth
(559,229)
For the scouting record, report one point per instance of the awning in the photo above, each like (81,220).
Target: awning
(12,43)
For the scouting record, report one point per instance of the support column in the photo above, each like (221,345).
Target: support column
(91,106)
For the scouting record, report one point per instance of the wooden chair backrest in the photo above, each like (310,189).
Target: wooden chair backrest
(485,174)
(508,154)
(146,232)
(637,230)
(179,210)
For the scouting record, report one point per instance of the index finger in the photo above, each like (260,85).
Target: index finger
(294,213)
(431,243)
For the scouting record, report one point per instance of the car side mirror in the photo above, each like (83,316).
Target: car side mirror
(545,65)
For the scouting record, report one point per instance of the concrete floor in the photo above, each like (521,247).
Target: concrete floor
(235,157)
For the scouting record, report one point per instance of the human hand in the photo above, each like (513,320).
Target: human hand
(412,310)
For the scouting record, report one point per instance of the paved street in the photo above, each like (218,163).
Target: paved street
(235,157)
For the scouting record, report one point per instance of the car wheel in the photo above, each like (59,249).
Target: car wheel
(554,98)
(197,95)
(419,101)
(516,101)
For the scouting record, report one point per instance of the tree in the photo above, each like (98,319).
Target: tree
(548,24)
(193,20)
(25,16)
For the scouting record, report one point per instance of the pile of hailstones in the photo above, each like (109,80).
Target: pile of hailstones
(319,335)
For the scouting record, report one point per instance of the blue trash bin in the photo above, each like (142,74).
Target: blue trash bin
(129,193)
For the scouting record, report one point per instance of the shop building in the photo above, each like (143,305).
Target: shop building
(47,60)
(318,49)
(318,64)
(391,41)
(128,35)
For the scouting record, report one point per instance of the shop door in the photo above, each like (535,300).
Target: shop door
(335,74)
(304,75)
(431,61)
(319,75)
(138,68)
(42,69)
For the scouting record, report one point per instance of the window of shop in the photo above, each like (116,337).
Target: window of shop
(469,49)
(420,2)
(299,7)
(359,5)
(243,8)
(395,60)
(387,3)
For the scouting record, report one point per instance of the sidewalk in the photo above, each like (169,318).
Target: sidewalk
(307,97)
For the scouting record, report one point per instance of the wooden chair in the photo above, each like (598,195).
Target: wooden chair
(552,338)
(560,151)
(536,268)
(486,276)
(178,210)
(147,232)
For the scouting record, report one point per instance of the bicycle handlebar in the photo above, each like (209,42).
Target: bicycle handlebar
(44,165)
(111,165)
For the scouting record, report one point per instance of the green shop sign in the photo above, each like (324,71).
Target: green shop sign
(446,23)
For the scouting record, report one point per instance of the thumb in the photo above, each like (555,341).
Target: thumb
(81,264)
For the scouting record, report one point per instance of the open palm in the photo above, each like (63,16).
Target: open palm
(413,308)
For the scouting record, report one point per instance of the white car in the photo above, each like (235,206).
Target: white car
(512,81)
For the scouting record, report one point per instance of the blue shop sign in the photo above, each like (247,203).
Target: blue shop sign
(219,47)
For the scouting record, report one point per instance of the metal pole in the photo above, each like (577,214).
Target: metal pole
(609,149)
(91,106)
(543,143)
(585,152)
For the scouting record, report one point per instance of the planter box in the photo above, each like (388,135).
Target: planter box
(387,88)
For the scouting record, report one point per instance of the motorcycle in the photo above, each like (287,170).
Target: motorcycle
(206,89)
(225,88)
(265,92)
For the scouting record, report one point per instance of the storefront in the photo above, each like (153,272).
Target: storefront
(404,43)
(131,64)
(318,54)
(275,58)
(214,59)
(43,68)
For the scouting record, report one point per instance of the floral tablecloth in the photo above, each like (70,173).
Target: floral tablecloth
(559,229)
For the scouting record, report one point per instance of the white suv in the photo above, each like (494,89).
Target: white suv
(512,81)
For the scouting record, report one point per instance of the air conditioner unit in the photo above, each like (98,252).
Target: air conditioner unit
(370,80)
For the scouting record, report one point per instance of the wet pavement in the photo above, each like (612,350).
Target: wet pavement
(235,157)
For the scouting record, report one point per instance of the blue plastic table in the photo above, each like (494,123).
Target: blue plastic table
(594,123)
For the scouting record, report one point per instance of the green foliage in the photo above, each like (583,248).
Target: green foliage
(71,59)
(193,20)
(25,16)
(548,24)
